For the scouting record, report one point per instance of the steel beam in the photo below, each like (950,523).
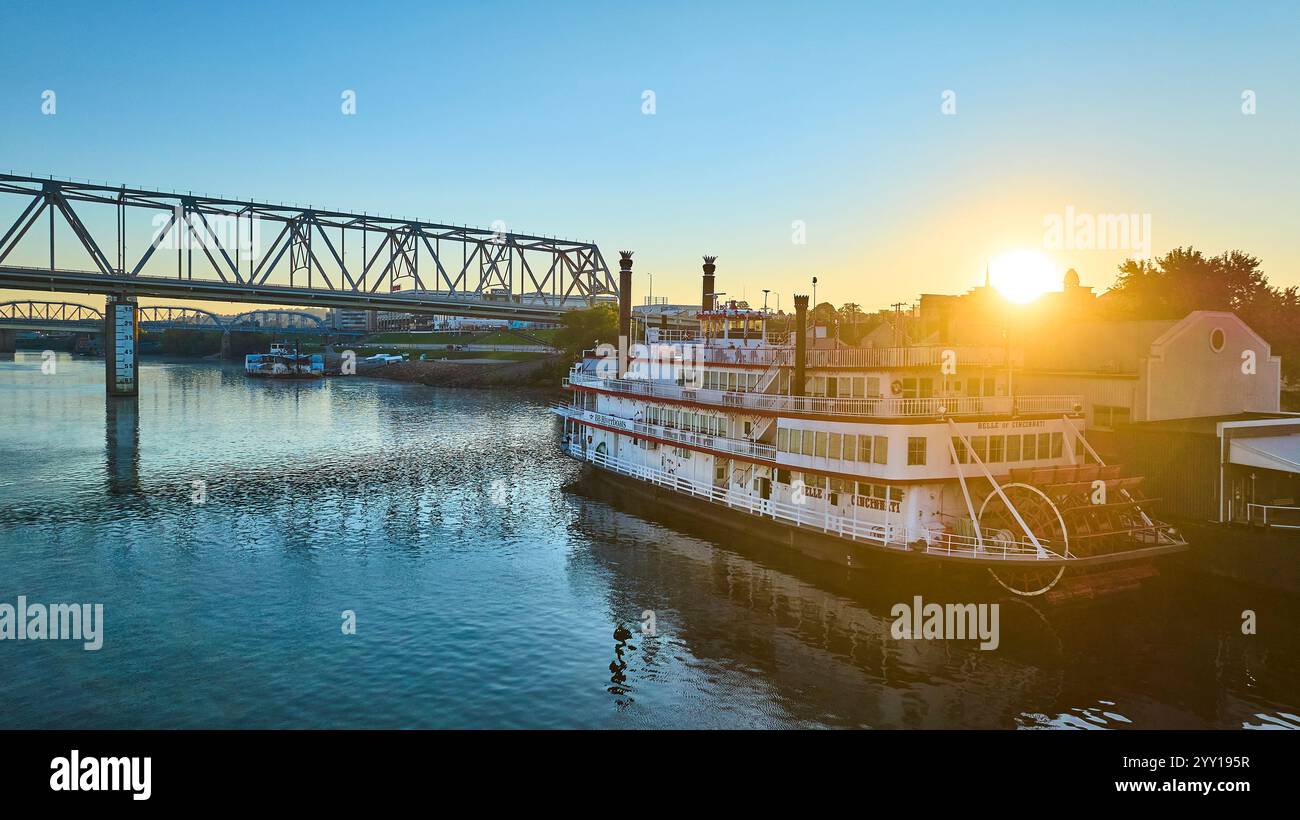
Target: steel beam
(290,270)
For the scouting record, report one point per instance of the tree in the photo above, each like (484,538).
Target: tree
(825,315)
(851,313)
(583,329)
(1185,280)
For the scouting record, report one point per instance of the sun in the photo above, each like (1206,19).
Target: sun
(1023,275)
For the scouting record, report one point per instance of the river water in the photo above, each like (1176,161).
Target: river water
(486,594)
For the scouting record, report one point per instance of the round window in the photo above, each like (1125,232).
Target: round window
(1216,339)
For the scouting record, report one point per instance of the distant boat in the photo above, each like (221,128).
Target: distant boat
(284,362)
(88,346)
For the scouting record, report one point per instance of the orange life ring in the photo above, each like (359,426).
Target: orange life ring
(896,388)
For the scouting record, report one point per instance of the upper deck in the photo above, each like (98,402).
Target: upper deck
(679,345)
(778,404)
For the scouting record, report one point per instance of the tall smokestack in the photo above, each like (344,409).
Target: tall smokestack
(706,293)
(800,343)
(624,310)
(625,295)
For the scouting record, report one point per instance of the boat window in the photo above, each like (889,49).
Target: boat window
(1013,448)
(979,445)
(959,447)
(783,439)
(996,446)
(837,446)
(1030,451)
(807,442)
(916,450)
(821,443)
(880,450)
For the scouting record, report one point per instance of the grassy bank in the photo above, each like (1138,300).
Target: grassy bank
(544,372)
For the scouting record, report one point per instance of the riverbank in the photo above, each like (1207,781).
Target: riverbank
(544,372)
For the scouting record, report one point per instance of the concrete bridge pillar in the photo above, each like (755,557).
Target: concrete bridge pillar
(7,340)
(120,355)
(225,344)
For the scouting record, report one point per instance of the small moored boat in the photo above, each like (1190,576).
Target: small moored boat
(284,362)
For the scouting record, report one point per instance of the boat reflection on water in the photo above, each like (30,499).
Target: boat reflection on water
(821,637)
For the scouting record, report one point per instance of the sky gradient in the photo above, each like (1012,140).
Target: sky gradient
(765,114)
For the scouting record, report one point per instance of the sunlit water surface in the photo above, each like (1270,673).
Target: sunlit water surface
(487,595)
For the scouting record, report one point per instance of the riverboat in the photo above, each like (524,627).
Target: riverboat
(284,362)
(920,452)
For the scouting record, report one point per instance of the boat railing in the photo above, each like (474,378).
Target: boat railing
(890,534)
(1278,516)
(893,407)
(910,356)
(853,357)
(673,335)
(694,438)
(968,546)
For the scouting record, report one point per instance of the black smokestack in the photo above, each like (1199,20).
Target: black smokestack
(800,343)
(625,295)
(706,293)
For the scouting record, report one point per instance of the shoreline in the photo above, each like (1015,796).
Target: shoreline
(534,373)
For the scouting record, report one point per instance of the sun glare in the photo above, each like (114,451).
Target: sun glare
(1023,275)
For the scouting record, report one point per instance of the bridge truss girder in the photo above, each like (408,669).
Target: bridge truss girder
(308,250)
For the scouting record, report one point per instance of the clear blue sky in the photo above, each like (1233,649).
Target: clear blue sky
(766,113)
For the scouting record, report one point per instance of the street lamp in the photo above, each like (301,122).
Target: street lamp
(652,287)
(765,292)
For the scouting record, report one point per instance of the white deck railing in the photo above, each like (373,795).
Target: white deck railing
(911,356)
(848,357)
(890,535)
(1259,514)
(934,407)
(740,447)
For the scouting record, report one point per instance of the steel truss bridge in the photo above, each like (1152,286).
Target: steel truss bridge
(35,315)
(245,251)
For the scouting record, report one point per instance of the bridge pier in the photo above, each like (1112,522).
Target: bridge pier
(7,341)
(120,354)
(225,345)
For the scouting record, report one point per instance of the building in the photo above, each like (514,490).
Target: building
(1191,404)
(355,321)
(1207,364)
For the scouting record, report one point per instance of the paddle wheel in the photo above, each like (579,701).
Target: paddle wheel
(1001,532)
(1075,512)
